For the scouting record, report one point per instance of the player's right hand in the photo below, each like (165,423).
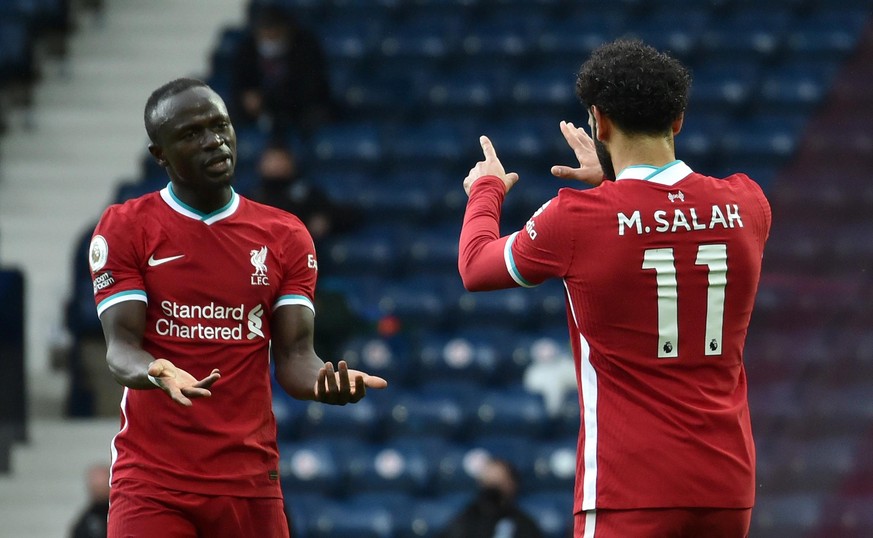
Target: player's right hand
(589,170)
(179,385)
(491,166)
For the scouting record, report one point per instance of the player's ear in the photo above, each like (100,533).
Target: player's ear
(677,124)
(604,125)
(158,154)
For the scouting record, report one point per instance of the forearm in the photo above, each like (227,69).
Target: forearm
(480,252)
(297,373)
(129,365)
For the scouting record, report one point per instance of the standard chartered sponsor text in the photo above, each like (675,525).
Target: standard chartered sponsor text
(173,325)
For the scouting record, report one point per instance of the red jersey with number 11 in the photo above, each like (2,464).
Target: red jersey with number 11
(661,268)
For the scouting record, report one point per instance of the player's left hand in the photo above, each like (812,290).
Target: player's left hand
(589,170)
(345,385)
(491,166)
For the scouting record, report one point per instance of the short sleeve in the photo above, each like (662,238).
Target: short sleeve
(115,261)
(301,269)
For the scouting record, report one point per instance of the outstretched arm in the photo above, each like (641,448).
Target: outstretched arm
(302,373)
(123,327)
(481,250)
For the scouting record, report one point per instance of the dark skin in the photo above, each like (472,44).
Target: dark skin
(196,143)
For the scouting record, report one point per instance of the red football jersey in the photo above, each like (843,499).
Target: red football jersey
(211,283)
(660,268)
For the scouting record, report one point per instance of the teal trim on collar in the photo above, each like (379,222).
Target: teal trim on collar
(657,171)
(668,174)
(202,215)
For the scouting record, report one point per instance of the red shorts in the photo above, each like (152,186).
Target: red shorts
(143,510)
(664,523)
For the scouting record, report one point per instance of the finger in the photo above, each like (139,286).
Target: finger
(512,178)
(195,392)
(180,398)
(320,383)
(374,382)
(155,368)
(360,389)
(487,148)
(207,381)
(330,379)
(344,383)
(562,171)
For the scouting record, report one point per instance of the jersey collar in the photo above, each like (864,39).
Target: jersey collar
(669,174)
(207,218)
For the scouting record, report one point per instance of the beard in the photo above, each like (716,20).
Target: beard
(605,159)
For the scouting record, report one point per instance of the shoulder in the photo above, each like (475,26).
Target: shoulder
(277,222)
(130,211)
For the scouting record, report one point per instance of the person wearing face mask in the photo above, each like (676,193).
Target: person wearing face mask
(279,78)
(281,184)
(494,512)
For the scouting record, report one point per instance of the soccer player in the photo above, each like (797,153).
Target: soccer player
(660,266)
(195,286)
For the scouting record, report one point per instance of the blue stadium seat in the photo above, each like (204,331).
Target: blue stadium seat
(505,33)
(517,448)
(421,300)
(698,141)
(359,421)
(412,413)
(762,140)
(786,515)
(554,467)
(288,411)
(548,90)
(797,87)
(830,33)
(510,411)
(435,250)
(341,519)
(763,30)
(374,250)
(386,467)
(553,511)
(434,141)
(357,142)
(723,87)
(312,467)
(452,356)
(425,36)
(384,356)
(431,515)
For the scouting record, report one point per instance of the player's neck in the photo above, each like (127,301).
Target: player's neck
(652,150)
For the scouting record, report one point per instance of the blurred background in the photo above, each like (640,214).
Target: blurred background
(362,117)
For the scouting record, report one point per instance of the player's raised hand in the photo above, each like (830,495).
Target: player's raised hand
(491,166)
(344,386)
(181,386)
(589,170)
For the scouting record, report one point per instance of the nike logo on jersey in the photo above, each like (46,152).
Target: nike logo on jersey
(154,262)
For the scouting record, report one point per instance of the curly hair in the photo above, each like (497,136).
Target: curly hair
(640,89)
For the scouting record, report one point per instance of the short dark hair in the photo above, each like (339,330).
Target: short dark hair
(637,87)
(169,89)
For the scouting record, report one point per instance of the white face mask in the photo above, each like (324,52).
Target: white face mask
(271,48)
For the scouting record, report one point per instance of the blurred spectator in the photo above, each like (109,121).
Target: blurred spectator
(92,521)
(279,77)
(281,185)
(551,373)
(494,512)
